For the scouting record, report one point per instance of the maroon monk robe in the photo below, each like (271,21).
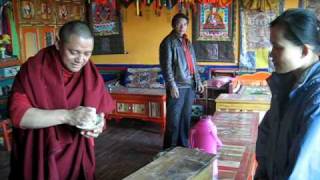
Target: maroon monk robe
(58,152)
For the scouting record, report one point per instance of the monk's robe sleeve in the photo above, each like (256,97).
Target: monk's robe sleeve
(19,104)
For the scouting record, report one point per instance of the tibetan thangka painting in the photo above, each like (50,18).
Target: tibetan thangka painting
(104,19)
(255,39)
(213,33)
(106,25)
(214,23)
(255,34)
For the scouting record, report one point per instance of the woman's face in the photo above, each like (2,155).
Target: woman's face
(286,56)
(181,26)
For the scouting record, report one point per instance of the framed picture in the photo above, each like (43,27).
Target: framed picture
(104,19)
(106,25)
(46,11)
(27,12)
(213,33)
(68,11)
(214,24)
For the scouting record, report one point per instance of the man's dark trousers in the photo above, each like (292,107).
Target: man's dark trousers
(178,118)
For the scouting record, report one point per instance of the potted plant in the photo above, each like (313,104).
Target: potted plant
(4,40)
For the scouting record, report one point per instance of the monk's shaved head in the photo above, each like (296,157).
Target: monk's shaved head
(78,28)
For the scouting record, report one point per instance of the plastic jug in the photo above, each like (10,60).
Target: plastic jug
(204,136)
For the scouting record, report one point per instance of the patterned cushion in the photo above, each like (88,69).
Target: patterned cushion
(144,78)
(219,81)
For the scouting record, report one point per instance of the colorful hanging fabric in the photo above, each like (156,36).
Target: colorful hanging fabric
(170,3)
(216,3)
(149,2)
(137,8)
(14,34)
(6,28)
(223,3)
(260,5)
(255,32)
(125,3)
(107,3)
(101,2)
(9,27)
(157,7)
(185,5)
(1,19)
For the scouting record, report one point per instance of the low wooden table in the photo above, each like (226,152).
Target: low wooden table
(238,132)
(243,102)
(140,103)
(178,163)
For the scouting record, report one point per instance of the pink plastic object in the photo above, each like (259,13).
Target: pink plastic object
(204,136)
(219,81)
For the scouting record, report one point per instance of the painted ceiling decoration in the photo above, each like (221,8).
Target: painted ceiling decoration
(182,5)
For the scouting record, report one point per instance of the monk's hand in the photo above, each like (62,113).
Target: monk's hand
(97,130)
(82,117)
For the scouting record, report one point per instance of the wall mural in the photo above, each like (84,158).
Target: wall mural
(49,12)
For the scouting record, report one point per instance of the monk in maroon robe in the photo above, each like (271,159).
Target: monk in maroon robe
(56,93)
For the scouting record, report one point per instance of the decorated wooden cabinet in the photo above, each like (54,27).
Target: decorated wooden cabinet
(35,38)
(38,21)
(140,103)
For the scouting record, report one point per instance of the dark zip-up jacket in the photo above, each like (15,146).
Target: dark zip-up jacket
(289,135)
(174,65)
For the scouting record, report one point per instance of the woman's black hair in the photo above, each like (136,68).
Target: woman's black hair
(301,26)
(76,27)
(177,17)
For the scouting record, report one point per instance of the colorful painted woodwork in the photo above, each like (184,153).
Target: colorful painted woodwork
(140,103)
(238,133)
(178,163)
(242,102)
(39,21)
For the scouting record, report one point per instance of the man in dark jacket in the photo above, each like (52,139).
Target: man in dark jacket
(178,64)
